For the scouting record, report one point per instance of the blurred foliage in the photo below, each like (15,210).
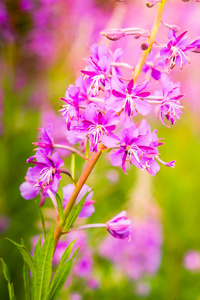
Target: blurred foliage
(176,190)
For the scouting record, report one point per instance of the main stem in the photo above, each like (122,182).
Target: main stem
(150,41)
(86,172)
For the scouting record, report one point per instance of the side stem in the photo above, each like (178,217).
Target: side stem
(150,41)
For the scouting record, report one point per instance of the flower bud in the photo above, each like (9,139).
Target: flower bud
(113,34)
(119,226)
(144,45)
(151,3)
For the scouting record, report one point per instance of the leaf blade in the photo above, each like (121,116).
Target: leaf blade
(25,254)
(27,282)
(44,267)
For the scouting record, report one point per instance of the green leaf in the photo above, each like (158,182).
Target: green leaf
(5,270)
(7,277)
(11,291)
(25,254)
(87,149)
(60,189)
(37,250)
(44,268)
(65,256)
(42,218)
(60,207)
(75,212)
(27,282)
(72,167)
(62,271)
(59,280)
(107,150)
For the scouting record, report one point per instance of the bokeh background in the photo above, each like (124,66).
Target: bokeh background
(42,43)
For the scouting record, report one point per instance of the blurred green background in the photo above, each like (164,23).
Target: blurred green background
(176,190)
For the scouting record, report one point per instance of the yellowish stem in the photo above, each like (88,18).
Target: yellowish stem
(150,41)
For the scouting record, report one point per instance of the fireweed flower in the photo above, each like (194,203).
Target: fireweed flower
(88,208)
(174,53)
(46,139)
(171,106)
(129,98)
(137,147)
(98,127)
(70,111)
(153,65)
(98,70)
(28,189)
(119,226)
(169,102)
(47,170)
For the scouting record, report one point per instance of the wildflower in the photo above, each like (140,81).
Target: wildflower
(137,147)
(129,98)
(46,139)
(174,53)
(70,111)
(46,172)
(119,226)
(99,127)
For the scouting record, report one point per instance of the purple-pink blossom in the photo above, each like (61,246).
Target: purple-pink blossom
(119,226)
(45,175)
(174,53)
(129,98)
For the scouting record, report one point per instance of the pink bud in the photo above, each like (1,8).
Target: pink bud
(151,3)
(113,34)
(119,226)
(144,45)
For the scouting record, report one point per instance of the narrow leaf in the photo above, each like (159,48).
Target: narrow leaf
(27,282)
(60,276)
(37,250)
(5,270)
(60,207)
(65,256)
(60,189)
(73,163)
(41,218)
(25,254)
(44,268)
(87,149)
(59,280)
(11,291)
(7,277)
(75,212)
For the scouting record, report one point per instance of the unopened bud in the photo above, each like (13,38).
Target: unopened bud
(144,46)
(176,28)
(113,34)
(151,3)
